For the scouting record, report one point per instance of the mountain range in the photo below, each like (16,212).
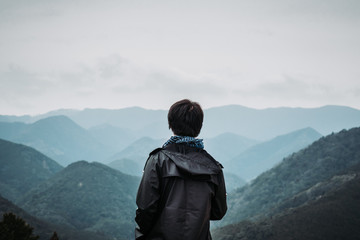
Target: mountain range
(258,124)
(59,138)
(99,134)
(132,159)
(318,162)
(94,198)
(263,156)
(52,198)
(297,180)
(226,146)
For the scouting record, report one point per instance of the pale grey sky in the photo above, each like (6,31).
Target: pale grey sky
(114,54)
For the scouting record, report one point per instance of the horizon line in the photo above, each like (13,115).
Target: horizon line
(160,109)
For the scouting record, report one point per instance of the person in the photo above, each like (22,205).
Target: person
(182,187)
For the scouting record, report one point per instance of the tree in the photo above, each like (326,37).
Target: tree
(15,228)
(54,236)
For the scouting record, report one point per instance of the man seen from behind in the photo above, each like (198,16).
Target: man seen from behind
(182,187)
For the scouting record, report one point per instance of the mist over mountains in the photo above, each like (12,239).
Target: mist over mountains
(78,173)
(258,124)
(58,137)
(260,157)
(99,134)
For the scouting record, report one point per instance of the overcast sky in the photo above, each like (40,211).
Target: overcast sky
(113,54)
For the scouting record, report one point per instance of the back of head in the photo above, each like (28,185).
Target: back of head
(185,118)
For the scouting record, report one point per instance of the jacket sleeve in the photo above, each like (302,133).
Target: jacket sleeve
(219,205)
(147,198)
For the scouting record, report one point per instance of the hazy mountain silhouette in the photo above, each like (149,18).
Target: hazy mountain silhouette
(22,168)
(133,118)
(58,137)
(263,156)
(132,159)
(322,160)
(127,166)
(135,155)
(114,137)
(264,124)
(226,146)
(260,124)
(233,181)
(328,210)
(87,196)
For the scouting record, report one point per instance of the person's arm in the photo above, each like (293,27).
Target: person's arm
(219,205)
(147,198)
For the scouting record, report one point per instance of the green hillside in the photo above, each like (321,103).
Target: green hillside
(332,212)
(22,168)
(87,196)
(45,229)
(320,161)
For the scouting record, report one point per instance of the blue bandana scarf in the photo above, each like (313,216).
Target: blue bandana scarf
(191,141)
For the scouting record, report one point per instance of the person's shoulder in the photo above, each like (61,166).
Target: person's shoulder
(153,158)
(157,155)
(155,151)
(208,155)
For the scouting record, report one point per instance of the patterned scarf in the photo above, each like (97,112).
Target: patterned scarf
(191,141)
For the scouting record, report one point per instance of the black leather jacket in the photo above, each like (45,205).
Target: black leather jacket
(181,190)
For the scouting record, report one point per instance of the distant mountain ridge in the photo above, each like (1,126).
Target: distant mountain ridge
(264,124)
(259,124)
(58,137)
(132,159)
(263,156)
(226,146)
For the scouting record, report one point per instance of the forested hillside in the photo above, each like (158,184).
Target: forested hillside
(87,196)
(22,168)
(329,210)
(320,161)
(45,229)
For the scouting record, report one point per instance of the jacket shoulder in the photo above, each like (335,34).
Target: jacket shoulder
(155,151)
(213,159)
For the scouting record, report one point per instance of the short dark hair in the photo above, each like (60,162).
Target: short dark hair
(185,118)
